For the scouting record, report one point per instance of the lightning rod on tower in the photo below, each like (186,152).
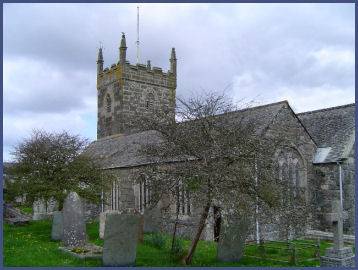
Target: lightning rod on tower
(137,42)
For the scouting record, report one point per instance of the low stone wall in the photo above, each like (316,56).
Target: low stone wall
(313,234)
(185,229)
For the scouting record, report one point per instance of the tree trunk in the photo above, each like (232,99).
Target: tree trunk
(175,230)
(195,241)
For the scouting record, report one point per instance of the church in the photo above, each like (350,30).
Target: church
(322,144)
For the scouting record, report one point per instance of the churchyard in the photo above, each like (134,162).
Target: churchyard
(58,232)
(31,245)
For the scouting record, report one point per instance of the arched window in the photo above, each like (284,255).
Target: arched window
(108,103)
(292,174)
(150,101)
(291,169)
(182,200)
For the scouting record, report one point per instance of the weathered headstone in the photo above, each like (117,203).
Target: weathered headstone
(74,227)
(152,219)
(52,206)
(44,210)
(232,240)
(57,226)
(120,239)
(39,210)
(14,216)
(338,255)
(102,221)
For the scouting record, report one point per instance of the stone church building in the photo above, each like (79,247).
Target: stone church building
(321,149)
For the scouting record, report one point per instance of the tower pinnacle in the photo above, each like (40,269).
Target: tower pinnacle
(100,61)
(122,50)
(173,62)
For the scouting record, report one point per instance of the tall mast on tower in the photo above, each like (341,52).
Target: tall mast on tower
(137,42)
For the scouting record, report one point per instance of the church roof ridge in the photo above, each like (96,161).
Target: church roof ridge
(109,137)
(328,109)
(253,108)
(262,106)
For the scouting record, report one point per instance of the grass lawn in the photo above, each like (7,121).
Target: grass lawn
(25,209)
(31,245)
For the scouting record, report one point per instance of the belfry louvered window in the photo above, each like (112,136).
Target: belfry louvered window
(150,101)
(108,103)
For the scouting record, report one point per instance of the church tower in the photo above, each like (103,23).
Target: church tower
(125,92)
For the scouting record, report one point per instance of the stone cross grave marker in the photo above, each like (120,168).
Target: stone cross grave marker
(74,226)
(336,218)
(338,255)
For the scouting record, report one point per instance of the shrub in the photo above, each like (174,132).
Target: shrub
(178,251)
(156,240)
(272,251)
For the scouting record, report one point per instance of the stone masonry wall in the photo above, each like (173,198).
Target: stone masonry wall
(319,180)
(121,196)
(328,190)
(132,91)
(288,127)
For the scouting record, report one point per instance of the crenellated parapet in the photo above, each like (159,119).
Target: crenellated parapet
(127,91)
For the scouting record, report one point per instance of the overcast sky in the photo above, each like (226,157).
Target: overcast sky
(303,53)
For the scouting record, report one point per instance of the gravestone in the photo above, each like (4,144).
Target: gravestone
(120,239)
(152,218)
(102,221)
(57,226)
(232,238)
(39,210)
(52,206)
(43,210)
(338,255)
(14,216)
(74,226)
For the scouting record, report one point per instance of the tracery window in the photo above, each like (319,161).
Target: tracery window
(114,196)
(144,194)
(182,201)
(291,169)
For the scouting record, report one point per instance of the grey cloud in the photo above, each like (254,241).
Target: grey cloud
(212,41)
(40,87)
(263,51)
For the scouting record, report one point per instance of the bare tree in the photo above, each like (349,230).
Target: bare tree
(215,153)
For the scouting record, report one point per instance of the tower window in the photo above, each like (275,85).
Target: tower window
(108,104)
(150,101)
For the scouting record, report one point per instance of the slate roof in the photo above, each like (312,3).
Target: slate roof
(260,116)
(120,151)
(333,130)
